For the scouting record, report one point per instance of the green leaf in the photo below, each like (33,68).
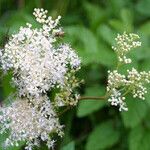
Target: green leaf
(125,23)
(107,34)
(117,25)
(145,141)
(69,146)
(87,107)
(137,110)
(139,138)
(107,56)
(102,137)
(89,49)
(116,5)
(135,138)
(143,7)
(145,28)
(94,13)
(7,88)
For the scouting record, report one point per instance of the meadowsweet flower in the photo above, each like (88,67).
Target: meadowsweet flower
(117,99)
(29,121)
(124,44)
(39,65)
(119,85)
(137,81)
(116,83)
(115,80)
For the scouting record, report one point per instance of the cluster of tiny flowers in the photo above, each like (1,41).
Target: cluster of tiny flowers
(117,99)
(115,82)
(136,82)
(39,65)
(119,85)
(26,121)
(133,81)
(124,44)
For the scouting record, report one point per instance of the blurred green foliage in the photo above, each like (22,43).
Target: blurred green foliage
(90,27)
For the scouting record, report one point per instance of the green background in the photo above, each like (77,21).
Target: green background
(90,27)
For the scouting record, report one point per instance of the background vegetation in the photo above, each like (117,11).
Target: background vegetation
(90,27)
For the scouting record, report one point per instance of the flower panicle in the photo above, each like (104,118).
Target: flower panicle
(39,65)
(119,85)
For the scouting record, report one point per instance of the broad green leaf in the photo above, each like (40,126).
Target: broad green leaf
(94,13)
(69,146)
(107,56)
(89,49)
(116,5)
(144,144)
(145,28)
(125,23)
(103,136)
(107,34)
(117,25)
(137,110)
(135,137)
(143,7)
(139,138)
(87,107)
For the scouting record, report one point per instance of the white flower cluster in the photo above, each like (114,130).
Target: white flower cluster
(116,82)
(133,82)
(124,44)
(136,81)
(39,65)
(119,85)
(117,99)
(30,122)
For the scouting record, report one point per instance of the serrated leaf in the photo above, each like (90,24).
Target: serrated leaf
(87,107)
(69,146)
(137,110)
(102,137)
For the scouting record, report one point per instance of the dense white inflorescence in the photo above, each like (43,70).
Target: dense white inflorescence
(133,81)
(30,121)
(39,65)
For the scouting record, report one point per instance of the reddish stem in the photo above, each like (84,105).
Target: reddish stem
(92,98)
